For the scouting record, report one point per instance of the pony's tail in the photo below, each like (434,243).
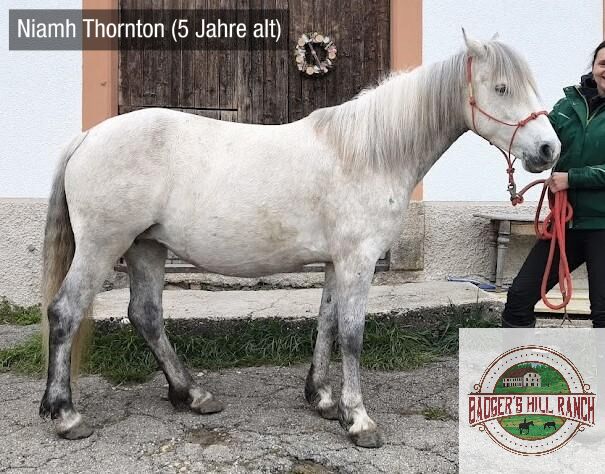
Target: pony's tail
(58,253)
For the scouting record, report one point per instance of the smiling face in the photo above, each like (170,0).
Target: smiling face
(598,71)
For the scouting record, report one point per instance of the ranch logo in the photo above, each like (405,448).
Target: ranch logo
(531,400)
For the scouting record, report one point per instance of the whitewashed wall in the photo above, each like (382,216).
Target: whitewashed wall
(41,100)
(555,36)
(41,91)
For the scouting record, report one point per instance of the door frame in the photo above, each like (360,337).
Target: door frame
(100,80)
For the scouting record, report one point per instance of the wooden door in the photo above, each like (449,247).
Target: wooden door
(260,86)
(263,87)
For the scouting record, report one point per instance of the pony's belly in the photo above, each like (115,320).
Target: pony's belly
(244,253)
(251,264)
(251,269)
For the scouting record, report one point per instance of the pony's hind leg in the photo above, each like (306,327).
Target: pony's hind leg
(65,313)
(317,388)
(145,260)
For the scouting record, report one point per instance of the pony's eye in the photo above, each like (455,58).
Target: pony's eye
(501,89)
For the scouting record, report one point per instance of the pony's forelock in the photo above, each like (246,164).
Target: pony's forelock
(506,65)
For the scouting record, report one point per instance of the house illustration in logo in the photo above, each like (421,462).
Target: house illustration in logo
(522,377)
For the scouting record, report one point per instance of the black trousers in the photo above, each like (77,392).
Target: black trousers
(581,246)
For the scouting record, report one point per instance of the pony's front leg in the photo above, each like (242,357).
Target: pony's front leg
(353,280)
(318,391)
(145,260)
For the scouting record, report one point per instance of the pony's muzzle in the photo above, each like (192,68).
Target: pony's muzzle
(549,150)
(547,154)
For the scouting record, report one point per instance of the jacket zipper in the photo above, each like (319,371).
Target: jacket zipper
(594,113)
(584,137)
(585,102)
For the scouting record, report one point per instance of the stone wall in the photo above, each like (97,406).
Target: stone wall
(438,240)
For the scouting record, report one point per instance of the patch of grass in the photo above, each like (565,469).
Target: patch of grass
(18,315)
(24,359)
(121,355)
(390,346)
(436,414)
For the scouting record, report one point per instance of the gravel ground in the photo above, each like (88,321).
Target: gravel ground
(267,427)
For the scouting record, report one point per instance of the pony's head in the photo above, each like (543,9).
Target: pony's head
(501,94)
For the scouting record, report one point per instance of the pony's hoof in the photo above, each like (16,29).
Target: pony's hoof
(367,439)
(79,431)
(329,413)
(44,410)
(207,406)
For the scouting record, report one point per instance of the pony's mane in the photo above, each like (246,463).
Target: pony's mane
(413,111)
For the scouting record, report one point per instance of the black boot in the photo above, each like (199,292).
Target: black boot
(506,324)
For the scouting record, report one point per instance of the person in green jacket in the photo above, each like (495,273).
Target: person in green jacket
(579,120)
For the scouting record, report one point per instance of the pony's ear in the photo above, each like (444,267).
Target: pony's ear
(496,36)
(474,47)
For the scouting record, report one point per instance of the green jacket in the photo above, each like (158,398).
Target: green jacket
(582,156)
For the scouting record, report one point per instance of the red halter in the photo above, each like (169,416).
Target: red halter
(512,188)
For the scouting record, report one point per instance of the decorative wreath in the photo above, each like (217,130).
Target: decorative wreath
(315,54)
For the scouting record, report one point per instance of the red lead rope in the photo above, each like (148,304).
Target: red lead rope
(553,228)
(561,212)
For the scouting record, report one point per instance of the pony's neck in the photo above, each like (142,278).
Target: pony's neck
(402,126)
(438,110)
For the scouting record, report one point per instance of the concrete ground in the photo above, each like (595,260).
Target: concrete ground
(267,427)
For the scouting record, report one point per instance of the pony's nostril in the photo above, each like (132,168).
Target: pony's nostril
(546,152)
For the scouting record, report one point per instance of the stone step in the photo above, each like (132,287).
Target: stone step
(290,304)
(579,304)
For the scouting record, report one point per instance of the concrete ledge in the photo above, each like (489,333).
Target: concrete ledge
(293,305)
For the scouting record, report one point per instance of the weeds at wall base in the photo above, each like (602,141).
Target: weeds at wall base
(390,343)
(18,315)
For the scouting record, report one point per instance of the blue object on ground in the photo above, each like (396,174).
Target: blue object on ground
(480,285)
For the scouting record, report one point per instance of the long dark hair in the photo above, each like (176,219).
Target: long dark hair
(596,51)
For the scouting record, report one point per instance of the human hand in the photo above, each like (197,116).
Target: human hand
(557,182)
